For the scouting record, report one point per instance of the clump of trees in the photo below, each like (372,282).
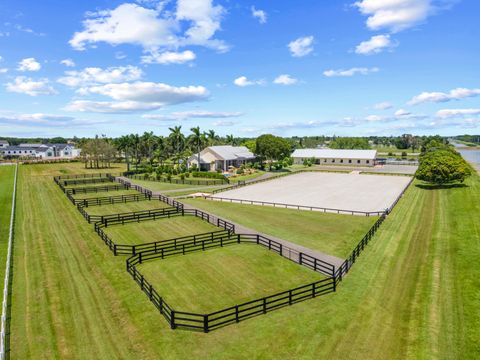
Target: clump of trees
(98,153)
(441,164)
(349,143)
(269,147)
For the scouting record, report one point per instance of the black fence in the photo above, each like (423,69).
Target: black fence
(110,200)
(122,249)
(95,189)
(348,263)
(81,176)
(296,207)
(181,181)
(233,314)
(86,181)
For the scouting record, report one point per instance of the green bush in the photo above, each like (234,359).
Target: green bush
(443,167)
(209,175)
(240,171)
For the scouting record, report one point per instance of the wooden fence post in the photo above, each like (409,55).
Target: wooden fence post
(205,323)
(172,320)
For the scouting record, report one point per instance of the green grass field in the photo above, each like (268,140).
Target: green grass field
(77,186)
(159,186)
(413,293)
(7,174)
(125,207)
(155,230)
(330,233)
(104,194)
(223,277)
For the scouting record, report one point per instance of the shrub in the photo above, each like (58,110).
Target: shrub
(442,167)
(240,171)
(209,175)
(404,154)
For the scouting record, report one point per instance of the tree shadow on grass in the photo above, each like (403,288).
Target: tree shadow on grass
(441,186)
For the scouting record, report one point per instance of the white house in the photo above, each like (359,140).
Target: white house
(214,158)
(336,156)
(3,144)
(41,151)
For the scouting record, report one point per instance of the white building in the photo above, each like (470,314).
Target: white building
(336,157)
(41,151)
(3,144)
(215,158)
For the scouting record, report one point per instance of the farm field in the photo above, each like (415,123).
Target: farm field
(76,186)
(412,294)
(329,233)
(156,230)
(222,277)
(7,174)
(125,207)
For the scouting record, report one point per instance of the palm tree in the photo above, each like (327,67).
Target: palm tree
(212,137)
(177,139)
(148,141)
(197,139)
(135,145)
(231,140)
(124,145)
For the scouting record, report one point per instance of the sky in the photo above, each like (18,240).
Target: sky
(305,67)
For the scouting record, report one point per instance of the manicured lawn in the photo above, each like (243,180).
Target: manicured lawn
(77,186)
(159,186)
(413,293)
(104,193)
(330,233)
(246,177)
(222,277)
(155,230)
(7,174)
(126,207)
(196,190)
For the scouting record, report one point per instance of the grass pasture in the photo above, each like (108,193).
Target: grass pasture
(77,186)
(7,175)
(330,233)
(104,194)
(412,294)
(162,186)
(125,207)
(222,277)
(155,230)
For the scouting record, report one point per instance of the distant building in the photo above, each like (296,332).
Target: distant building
(336,157)
(3,144)
(41,151)
(215,158)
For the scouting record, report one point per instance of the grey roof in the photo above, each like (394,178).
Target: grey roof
(335,154)
(228,152)
(15,148)
(3,142)
(30,145)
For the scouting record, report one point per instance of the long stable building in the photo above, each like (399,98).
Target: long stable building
(336,157)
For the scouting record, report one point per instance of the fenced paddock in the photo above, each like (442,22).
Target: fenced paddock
(222,278)
(331,192)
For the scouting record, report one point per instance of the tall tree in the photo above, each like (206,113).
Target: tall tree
(197,139)
(230,140)
(212,137)
(177,139)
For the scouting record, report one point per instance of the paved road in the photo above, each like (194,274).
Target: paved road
(240,229)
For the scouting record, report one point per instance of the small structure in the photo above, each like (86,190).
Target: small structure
(336,157)
(215,158)
(3,144)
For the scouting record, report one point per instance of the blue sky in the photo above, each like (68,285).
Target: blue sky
(306,67)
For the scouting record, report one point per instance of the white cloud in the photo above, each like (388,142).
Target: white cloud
(29,64)
(438,97)
(301,46)
(243,81)
(224,123)
(402,112)
(112,107)
(394,15)
(385,105)
(154,28)
(28,86)
(3,70)
(169,57)
(350,72)
(94,75)
(374,45)
(374,118)
(68,62)
(259,14)
(35,119)
(184,115)
(285,79)
(150,92)
(450,113)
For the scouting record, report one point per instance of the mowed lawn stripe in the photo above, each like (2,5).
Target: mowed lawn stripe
(7,175)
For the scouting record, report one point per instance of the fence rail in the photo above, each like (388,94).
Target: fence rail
(180,181)
(110,200)
(86,181)
(233,314)
(6,283)
(297,207)
(95,189)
